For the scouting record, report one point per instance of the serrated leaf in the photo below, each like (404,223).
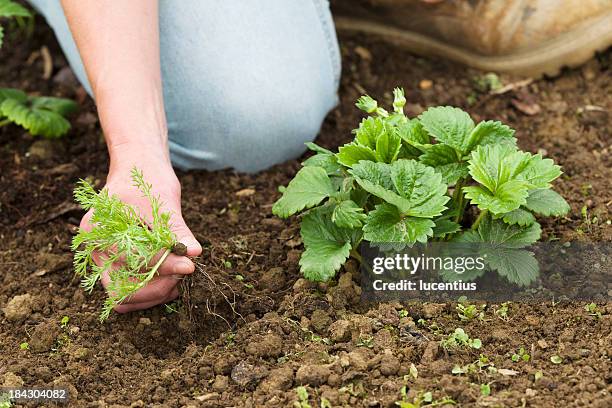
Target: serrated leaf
(328,161)
(547,202)
(317,149)
(368,132)
(9,8)
(413,135)
(347,214)
(445,160)
(351,154)
(537,171)
(38,121)
(490,132)
(62,106)
(508,197)
(448,125)
(519,266)
(386,225)
(519,216)
(497,169)
(501,234)
(310,186)
(327,246)
(11,93)
(415,189)
(388,146)
(444,227)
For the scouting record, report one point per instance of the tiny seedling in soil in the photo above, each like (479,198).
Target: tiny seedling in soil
(521,354)
(64,322)
(485,390)
(460,339)
(424,399)
(407,180)
(477,368)
(502,311)
(556,359)
(134,249)
(24,346)
(467,311)
(302,394)
(593,310)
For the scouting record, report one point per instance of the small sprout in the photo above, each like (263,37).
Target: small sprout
(239,278)
(302,394)
(64,322)
(460,339)
(521,355)
(485,390)
(538,375)
(227,264)
(467,311)
(172,307)
(423,399)
(414,373)
(556,359)
(24,346)
(366,341)
(502,312)
(325,403)
(593,310)
(403,313)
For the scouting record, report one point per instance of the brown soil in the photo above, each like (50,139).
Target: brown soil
(283,331)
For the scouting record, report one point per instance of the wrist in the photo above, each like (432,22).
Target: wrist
(153,159)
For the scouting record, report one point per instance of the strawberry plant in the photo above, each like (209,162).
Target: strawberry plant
(437,177)
(40,115)
(129,247)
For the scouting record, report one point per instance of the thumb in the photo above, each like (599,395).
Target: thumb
(185,236)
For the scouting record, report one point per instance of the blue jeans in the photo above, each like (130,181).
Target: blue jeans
(246,82)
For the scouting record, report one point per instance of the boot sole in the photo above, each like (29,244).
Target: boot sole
(569,49)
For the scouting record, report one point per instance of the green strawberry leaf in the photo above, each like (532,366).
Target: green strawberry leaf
(11,93)
(347,214)
(388,146)
(508,197)
(9,8)
(414,137)
(351,154)
(445,227)
(500,234)
(40,116)
(327,246)
(310,186)
(547,202)
(519,266)
(446,161)
(370,129)
(490,132)
(448,125)
(537,171)
(317,149)
(415,189)
(385,224)
(328,161)
(519,216)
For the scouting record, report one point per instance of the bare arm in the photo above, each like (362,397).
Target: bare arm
(119,44)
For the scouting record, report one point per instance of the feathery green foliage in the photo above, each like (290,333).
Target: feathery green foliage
(405,180)
(126,244)
(10,9)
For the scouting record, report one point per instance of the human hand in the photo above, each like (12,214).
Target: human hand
(157,171)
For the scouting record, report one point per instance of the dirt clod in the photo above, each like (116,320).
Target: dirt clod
(313,375)
(18,308)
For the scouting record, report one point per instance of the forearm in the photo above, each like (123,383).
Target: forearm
(119,45)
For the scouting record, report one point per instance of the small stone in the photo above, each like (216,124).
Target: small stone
(532,320)
(245,374)
(542,343)
(363,52)
(18,308)
(245,192)
(221,383)
(425,84)
(145,321)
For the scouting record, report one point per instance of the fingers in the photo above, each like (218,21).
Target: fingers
(130,307)
(156,290)
(176,265)
(184,235)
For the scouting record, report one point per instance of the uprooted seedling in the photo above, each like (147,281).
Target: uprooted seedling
(420,180)
(130,249)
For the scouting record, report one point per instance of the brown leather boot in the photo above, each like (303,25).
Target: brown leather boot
(527,37)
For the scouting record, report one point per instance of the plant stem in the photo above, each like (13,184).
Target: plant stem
(357,256)
(482,214)
(153,270)
(458,200)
